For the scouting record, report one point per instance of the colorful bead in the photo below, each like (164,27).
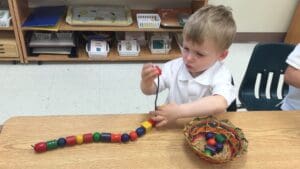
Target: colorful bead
(116,138)
(133,136)
(79,139)
(219,147)
(71,140)
(207,152)
(40,147)
(220,138)
(209,135)
(158,70)
(140,131)
(96,137)
(211,148)
(61,142)
(152,122)
(52,144)
(147,125)
(88,138)
(211,141)
(125,138)
(105,137)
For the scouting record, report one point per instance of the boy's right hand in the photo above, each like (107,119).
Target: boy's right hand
(149,73)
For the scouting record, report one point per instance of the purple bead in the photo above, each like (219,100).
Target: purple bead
(209,135)
(125,137)
(211,148)
(219,147)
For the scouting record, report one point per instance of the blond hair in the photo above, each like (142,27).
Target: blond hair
(211,22)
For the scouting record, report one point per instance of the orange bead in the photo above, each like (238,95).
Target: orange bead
(115,138)
(211,141)
(133,136)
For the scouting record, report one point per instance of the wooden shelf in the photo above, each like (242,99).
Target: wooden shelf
(113,56)
(10,28)
(63,26)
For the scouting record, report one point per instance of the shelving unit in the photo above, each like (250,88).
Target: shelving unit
(15,52)
(22,11)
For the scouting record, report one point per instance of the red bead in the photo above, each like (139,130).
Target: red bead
(152,122)
(133,136)
(158,70)
(71,140)
(88,138)
(211,141)
(115,138)
(40,147)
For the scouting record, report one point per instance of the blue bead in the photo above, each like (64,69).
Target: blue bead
(140,131)
(209,135)
(106,137)
(219,147)
(125,137)
(211,148)
(61,142)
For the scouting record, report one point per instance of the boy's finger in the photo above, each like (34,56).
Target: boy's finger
(161,123)
(158,118)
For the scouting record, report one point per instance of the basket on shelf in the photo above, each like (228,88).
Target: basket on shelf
(148,20)
(216,141)
(128,48)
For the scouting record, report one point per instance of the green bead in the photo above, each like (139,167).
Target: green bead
(52,144)
(96,137)
(220,138)
(207,152)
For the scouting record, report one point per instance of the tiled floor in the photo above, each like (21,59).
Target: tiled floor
(55,89)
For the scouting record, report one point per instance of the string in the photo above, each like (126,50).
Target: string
(156,94)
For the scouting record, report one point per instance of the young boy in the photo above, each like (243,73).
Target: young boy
(292,77)
(198,82)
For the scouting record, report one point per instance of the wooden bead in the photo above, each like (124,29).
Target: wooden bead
(140,131)
(219,147)
(52,144)
(133,135)
(88,138)
(211,148)
(220,138)
(105,137)
(211,141)
(207,152)
(158,70)
(79,139)
(71,140)
(125,138)
(96,137)
(152,122)
(116,138)
(147,125)
(209,135)
(61,142)
(40,147)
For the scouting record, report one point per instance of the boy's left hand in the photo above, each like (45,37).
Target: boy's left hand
(165,114)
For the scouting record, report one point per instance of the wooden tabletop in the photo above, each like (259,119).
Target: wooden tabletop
(274,142)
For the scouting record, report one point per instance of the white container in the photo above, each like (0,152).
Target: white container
(128,48)
(160,43)
(139,36)
(4,18)
(97,48)
(148,20)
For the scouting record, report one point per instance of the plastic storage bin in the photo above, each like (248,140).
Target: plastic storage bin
(128,48)
(148,20)
(97,48)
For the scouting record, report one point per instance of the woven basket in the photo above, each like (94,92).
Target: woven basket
(196,133)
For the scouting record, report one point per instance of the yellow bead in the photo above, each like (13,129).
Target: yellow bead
(147,125)
(79,139)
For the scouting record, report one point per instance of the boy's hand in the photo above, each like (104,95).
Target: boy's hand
(149,73)
(166,114)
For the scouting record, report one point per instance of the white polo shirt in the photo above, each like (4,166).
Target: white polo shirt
(183,88)
(292,100)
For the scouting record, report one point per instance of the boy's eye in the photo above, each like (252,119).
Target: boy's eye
(186,49)
(199,54)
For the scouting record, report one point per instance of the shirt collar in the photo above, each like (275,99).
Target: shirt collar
(205,78)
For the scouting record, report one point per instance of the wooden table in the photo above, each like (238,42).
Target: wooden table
(274,142)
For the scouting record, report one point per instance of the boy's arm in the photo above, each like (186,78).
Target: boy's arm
(148,89)
(292,76)
(205,106)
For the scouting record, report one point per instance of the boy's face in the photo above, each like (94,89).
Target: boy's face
(199,57)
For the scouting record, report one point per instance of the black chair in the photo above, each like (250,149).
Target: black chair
(268,62)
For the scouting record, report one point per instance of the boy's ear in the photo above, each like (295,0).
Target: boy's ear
(223,55)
